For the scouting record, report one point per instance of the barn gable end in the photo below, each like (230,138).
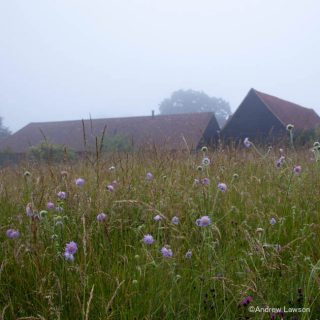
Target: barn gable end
(252,119)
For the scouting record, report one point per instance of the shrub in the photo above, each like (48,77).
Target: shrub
(47,151)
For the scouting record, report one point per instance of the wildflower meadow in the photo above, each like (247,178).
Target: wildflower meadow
(224,233)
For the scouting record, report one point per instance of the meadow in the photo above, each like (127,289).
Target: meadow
(204,235)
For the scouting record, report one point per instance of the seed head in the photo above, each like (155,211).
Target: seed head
(205,161)
(290,127)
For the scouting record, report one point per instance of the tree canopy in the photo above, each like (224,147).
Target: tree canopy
(187,101)
(4,131)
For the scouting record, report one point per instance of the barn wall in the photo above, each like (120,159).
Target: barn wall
(253,120)
(211,133)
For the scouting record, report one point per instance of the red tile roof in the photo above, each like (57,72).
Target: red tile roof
(168,131)
(289,112)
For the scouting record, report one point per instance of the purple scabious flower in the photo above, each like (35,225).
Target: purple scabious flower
(205,181)
(110,187)
(50,205)
(68,256)
(79,182)
(148,239)
(222,187)
(29,212)
(297,170)
(167,253)
(12,234)
(71,247)
(188,254)
(175,220)
(273,221)
(101,217)
(157,218)
(62,195)
(247,142)
(59,209)
(203,221)
(246,301)
(149,176)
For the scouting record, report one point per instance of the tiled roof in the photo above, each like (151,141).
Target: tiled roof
(290,113)
(168,131)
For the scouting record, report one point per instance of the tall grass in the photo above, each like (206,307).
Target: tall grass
(115,275)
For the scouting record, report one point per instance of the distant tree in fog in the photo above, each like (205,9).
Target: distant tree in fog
(187,101)
(4,131)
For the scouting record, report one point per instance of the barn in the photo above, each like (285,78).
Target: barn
(263,117)
(170,132)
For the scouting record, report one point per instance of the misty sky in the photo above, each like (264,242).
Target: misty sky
(66,59)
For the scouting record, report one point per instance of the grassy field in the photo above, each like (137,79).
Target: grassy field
(253,242)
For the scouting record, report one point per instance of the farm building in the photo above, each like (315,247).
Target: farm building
(264,117)
(171,132)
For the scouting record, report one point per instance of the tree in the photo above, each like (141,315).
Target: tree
(4,131)
(187,101)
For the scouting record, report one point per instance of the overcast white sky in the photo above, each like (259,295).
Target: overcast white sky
(66,59)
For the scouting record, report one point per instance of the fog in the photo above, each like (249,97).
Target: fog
(66,59)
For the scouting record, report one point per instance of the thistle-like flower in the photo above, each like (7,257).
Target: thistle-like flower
(62,195)
(175,220)
(204,221)
(149,176)
(297,170)
(157,218)
(12,234)
(50,205)
(222,187)
(166,252)
(273,221)
(79,182)
(101,217)
(148,239)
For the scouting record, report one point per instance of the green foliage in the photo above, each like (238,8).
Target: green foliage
(117,143)
(116,276)
(306,137)
(188,101)
(47,151)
